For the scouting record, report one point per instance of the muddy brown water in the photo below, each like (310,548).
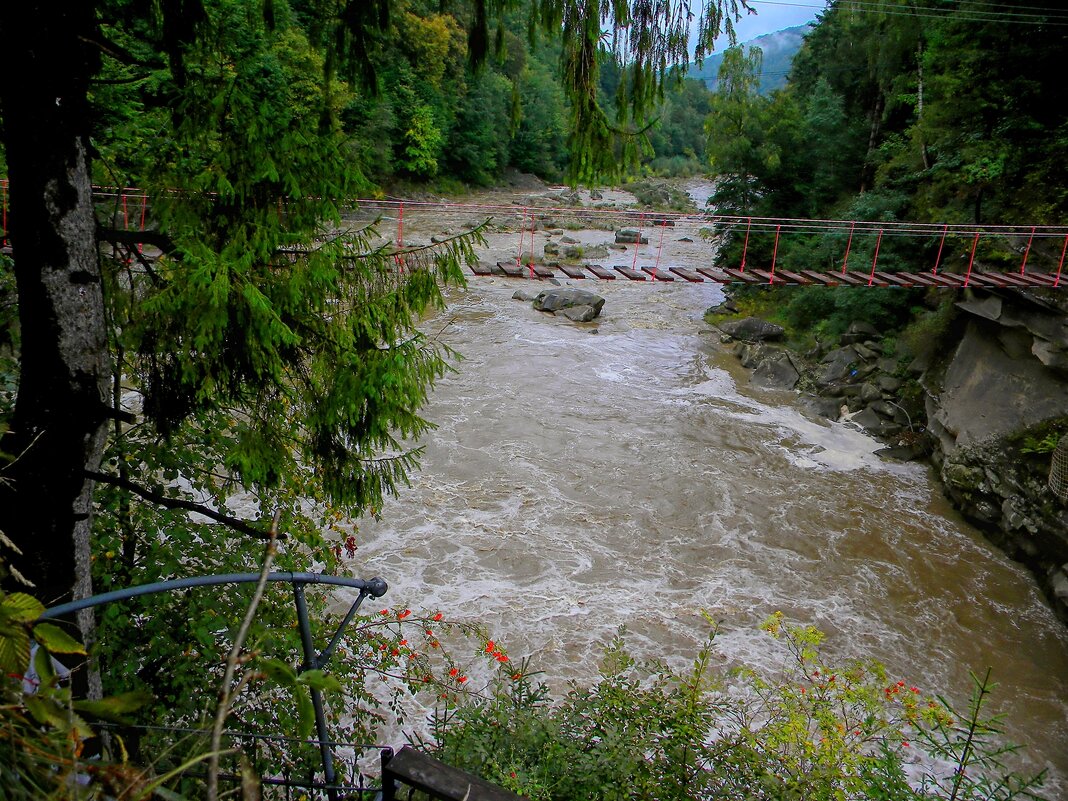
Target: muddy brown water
(623,472)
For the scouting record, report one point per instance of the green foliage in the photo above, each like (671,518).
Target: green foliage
(1047,444)
(815,731)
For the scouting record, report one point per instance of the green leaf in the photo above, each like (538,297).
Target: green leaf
(114,707)
(48,713)
(306,715)
(14,649)
(21,608)
(56,640)
(318,680)
(279,671)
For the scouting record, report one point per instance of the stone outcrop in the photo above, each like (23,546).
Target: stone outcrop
(986,405)
(1000,393)
(575,304)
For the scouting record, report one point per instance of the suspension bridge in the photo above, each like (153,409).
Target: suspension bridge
(856,244)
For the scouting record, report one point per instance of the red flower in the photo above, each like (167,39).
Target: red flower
(462,679)
(437,617)
(516,676)
(490,647)
(404,614)
(453,672)
(384,612)
(502,658)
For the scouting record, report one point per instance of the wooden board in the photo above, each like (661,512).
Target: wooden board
(827,279)
(601,272)
(542,271)
(894,279)
(633,275)
(658,274)
(793,278)
(718,276)
(689,275)
(852,279)
(572,272)
(737,276)
(767,278)
(510,268)
(481,268)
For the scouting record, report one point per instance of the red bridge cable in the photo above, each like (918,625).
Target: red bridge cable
(774,254)
(845,261)
(971,260)
(875,258)
(533,225)
(660,247)
(745,247)
(941,244)
(1027,250)
(638,244)
(397,257)
(1057,280)
(144,208)
(522,234)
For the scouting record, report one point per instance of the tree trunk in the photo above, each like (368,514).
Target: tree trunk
(59,424)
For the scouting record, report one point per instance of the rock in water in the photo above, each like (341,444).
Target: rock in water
(553,300)
(752,329)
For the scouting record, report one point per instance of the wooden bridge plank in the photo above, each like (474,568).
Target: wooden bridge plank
(658,274)
(690,275)
(542,271)
(768,278)
(571,271)
(718,276)
(737,276)
(949,280)
(827,279)
(511,269)
(894,279)
(852,279)
(920,279)
(601,272)
(794,278)
(481,268)
(633,275)
(1039,279)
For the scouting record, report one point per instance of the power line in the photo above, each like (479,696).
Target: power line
(928,12)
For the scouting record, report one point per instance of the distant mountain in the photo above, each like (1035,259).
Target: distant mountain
(779,49)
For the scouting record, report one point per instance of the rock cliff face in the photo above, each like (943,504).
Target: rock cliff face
(991,408)
(995,399)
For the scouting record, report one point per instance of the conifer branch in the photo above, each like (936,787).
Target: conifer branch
(180,503)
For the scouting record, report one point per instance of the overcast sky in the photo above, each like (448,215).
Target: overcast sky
(773,16)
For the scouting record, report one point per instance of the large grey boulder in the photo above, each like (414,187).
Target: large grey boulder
(752,329)
(777,371)
(579,314)
(628,236)
(554,300)
(839,365)
(859,331)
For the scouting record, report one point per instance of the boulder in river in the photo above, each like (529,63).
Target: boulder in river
(628,236)
(752,329)
(554,300)
(777,371)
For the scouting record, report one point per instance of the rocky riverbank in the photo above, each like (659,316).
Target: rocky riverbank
(985,405)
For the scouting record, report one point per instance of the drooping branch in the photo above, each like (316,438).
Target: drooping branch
(180,503)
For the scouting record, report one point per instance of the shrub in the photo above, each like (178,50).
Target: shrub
(813,732)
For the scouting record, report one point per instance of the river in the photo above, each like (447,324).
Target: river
(582,477)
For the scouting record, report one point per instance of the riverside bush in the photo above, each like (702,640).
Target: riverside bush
(814,732)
